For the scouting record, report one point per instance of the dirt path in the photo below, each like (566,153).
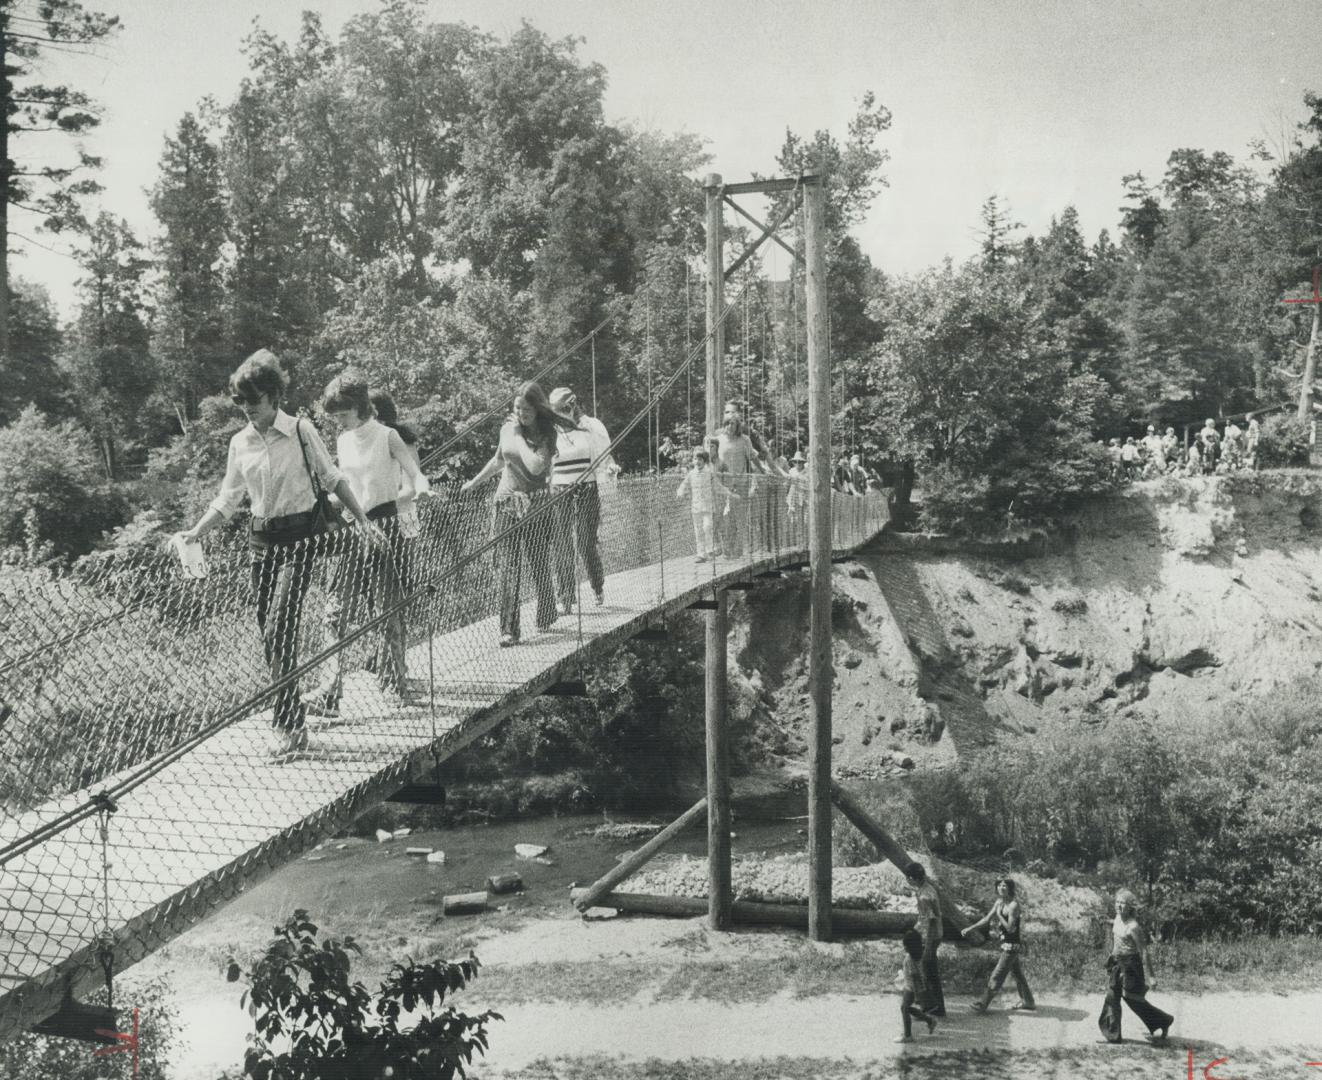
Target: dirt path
(829,1028)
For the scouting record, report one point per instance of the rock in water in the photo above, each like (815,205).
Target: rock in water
(504,883)
(530,851)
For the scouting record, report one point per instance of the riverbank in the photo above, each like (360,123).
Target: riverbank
(558,978)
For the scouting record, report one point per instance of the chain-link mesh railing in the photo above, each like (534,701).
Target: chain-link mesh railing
(168,738)
(223,742)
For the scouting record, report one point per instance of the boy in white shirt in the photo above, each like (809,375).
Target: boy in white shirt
(702,486)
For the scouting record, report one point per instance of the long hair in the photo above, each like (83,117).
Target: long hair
(546,420)
(384,404)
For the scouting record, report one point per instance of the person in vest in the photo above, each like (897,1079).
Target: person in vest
(273,460)
(1003,924)
(578,513)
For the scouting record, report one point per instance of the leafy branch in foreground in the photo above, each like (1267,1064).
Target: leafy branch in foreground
(300,995)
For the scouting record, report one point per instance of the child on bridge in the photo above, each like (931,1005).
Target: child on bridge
(702,486)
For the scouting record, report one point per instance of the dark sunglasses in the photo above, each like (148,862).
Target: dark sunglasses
(240,400)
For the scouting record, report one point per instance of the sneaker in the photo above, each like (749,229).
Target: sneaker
(978,1006)
(506,640)
(1024,1006)
(701,558)
(903,1039)
(599,596)
(931,1025)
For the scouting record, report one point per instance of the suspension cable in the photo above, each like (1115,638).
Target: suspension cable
(134,779)
(589,337)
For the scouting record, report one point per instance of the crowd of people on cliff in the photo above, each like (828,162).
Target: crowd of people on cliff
(1210,451)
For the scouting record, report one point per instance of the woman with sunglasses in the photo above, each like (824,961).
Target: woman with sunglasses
(272,460)
(523,458)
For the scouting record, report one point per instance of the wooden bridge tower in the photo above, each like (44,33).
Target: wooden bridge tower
(820,675)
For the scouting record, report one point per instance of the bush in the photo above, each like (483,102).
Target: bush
(300,996)
(1283,442)
(1022,486)
(1034,485)
(954,502)
(1222,827)
(52,489)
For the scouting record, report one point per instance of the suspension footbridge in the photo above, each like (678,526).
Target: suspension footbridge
(140,786)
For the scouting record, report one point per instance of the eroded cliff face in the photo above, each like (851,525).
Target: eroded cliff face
(1174,598)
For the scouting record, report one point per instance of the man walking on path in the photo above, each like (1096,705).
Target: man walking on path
(578,514)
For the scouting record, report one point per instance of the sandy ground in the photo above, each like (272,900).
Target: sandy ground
(824,1027)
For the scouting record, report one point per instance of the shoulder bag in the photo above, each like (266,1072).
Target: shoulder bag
(325,518)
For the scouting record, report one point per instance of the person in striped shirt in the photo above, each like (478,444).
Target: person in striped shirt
(578,512)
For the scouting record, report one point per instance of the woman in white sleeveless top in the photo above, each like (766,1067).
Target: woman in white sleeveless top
(372,458)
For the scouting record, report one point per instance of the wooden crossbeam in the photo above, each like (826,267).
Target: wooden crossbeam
(767,231)
(765,187)
(621,870)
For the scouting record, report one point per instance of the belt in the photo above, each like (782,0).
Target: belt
(286,523)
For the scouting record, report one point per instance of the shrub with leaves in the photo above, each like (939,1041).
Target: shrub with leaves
(1283,441)
(52,486)
(301,997)
(1220,826)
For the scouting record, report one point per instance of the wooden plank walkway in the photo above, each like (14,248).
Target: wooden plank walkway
(222,817)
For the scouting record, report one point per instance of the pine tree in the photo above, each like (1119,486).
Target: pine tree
(189,203)
(27,32)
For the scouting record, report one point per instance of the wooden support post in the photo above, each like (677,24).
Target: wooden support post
(719,892)
(586,898)
(895,854)
(819,532)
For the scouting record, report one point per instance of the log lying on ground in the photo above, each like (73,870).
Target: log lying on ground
(843,920)
(464,903)
(623,869)
(953,920)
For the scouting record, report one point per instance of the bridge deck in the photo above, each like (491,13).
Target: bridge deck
(227,813)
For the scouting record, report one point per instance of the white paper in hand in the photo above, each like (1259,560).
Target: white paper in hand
(190,555)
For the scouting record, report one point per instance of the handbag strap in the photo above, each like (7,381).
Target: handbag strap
(318,492)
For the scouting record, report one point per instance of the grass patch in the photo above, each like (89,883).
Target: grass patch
(594,982)
(1059,964)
